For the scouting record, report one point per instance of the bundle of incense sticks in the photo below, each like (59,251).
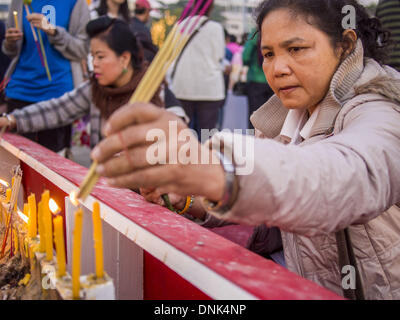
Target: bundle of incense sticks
(38,41)
(173,46)
(9,224)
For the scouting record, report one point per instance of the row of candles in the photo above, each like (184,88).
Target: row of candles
(41,219)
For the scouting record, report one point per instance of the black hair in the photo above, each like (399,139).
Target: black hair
(226,33)
(327,16)
(123,10)
(118,36)
(232,38)
(140,10)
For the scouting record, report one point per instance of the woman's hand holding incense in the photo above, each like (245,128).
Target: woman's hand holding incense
(134,136)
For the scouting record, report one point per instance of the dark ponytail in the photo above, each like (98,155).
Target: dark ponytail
(118,36)
(327,16)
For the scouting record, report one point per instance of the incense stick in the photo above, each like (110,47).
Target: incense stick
(46,65)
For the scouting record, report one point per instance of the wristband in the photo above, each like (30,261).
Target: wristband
(188,205)
(231,189)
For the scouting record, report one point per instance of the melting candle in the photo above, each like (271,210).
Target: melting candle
(32,231)
(76,254)
(98,240)
(60,247)
(42,245)
(16,19)
(48,225)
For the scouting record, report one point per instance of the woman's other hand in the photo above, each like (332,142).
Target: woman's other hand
(178,202)
(155,196)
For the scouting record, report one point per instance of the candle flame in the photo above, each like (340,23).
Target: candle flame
(4,183)
(23,217)
(15,13)
(54,208)
(73,197)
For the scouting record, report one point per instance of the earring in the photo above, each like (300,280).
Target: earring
(124,70)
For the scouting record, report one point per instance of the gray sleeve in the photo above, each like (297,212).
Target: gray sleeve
(74,44)
(54,113)
(346,179)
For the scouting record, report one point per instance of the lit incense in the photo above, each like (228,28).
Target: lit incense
(98,240)
(76,254)
(60,247)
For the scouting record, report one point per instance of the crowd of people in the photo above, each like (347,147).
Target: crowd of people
(324,102)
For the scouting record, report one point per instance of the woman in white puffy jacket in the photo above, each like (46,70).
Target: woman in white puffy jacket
(325,162)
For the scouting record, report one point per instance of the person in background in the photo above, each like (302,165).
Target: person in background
(4,61)
(227,69)
(140,28)
(388,12)
(119,67)
(257,90)
(233,45)
(324,165)
(65,45)
(113,8)
(196,78)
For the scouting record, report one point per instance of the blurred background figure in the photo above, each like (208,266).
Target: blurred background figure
(388,12)
(233,46)
(257,90)
(139,26)
(113,8)
(197,75)
(238,72)
(65,45)
(4,63)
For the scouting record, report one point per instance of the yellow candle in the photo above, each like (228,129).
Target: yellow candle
(48,225)
(15,241)
(76,254)
(16,19)
(32,216)
(98,240)
(60,247)
(42,244)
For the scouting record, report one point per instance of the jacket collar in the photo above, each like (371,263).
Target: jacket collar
(269,118)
